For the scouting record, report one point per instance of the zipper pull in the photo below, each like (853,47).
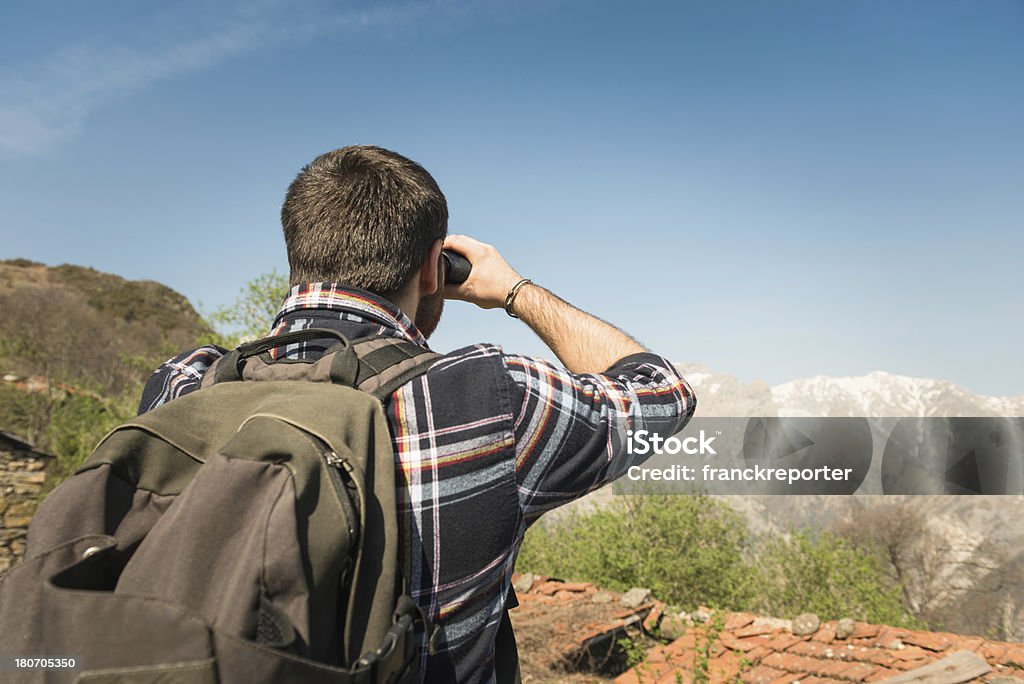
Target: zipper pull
(338,462)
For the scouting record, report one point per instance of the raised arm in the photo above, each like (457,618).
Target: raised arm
(571,426)
(582,342)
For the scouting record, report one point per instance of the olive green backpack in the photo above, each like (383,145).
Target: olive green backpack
(243,533)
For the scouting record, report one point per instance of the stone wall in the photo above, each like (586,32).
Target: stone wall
(22,475)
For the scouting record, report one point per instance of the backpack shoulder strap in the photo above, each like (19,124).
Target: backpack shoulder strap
(377,365)
(387,363)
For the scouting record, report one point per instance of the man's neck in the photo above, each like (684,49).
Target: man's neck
(406,301)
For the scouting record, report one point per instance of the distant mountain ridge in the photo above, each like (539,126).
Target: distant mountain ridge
(876,395)
(881,394)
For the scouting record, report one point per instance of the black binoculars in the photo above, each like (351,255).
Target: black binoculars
(456,267)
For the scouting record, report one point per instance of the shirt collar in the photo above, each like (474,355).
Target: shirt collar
(350,300)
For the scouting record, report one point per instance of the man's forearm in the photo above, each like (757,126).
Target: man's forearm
(582,342)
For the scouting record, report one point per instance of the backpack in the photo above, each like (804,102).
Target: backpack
(243,533)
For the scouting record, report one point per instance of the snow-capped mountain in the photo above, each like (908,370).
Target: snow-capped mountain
(876,395)
(881,394)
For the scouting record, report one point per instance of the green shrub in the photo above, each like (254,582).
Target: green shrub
(25,414)
(66,426)
(78,423)
(688,550)
(826,575)
(692,550)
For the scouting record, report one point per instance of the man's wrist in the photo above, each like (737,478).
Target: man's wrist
(513,293)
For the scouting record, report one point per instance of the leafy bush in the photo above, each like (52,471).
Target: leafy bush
(78,423)
(692,550)
(66,426)
(826,575)
(688,550)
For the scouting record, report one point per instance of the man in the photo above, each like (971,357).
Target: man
(485,442)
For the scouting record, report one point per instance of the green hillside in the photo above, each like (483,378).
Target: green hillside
(76,345)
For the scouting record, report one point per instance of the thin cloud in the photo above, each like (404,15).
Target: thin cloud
(50,102)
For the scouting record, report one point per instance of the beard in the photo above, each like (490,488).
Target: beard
(428,314)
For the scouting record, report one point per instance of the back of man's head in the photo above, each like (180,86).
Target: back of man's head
(362,216)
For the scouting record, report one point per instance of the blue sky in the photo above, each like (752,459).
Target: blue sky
(772,189)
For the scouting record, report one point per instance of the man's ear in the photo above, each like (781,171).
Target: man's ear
(430,274)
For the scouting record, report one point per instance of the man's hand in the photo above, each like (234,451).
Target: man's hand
(489,281)
(583,343)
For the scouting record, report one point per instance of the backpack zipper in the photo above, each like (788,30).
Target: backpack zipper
(339,469)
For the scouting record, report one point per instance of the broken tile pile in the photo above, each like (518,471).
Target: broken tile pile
(578,627)
(575,626)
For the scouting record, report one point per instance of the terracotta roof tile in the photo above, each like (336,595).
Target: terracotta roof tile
(834,668)
(788,678)
(738,620)
(859,672)
(968,643)
(879,656)
(992,652)
(912,653)
(725,667)
(578,586)
(675,677)
(754,630)
(631,676)
(906,665)
(837,668)
(881,674)
(744,645)
(930,641)
(784,662)
(783,640)
(888,637)
(645,673)
(685,662)
(758,653)
(652,672)
(863,631)
(560,626)
(762,674)
(548,587)
(653,618)
(687,642)
(811,648)
(826,633)
(1014,655)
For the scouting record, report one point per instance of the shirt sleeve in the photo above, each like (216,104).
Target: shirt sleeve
(178,376)
(571,429)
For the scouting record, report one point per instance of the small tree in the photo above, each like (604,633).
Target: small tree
(951,578)
(252,312)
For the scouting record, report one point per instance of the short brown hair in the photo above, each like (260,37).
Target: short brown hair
(361,216)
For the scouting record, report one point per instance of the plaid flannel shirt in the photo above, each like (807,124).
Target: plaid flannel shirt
(485,442)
